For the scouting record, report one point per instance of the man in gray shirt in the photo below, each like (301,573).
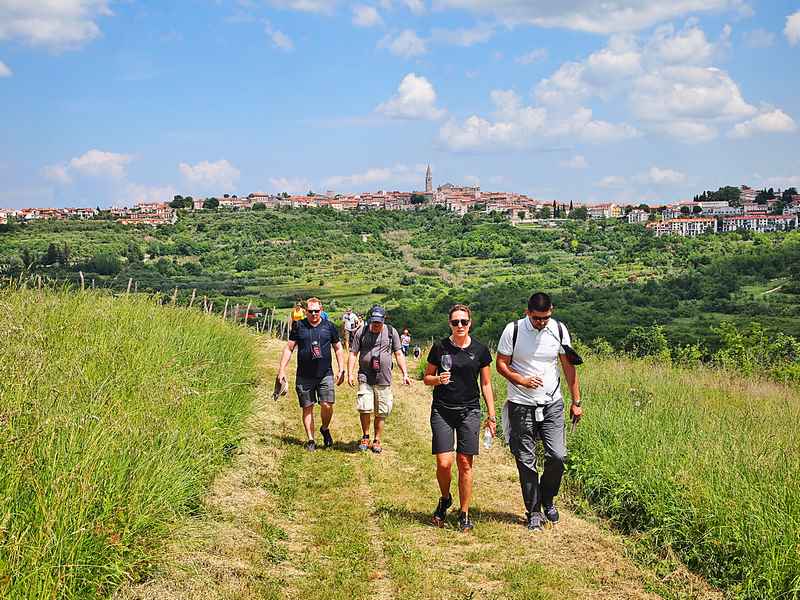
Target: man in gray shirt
(373,346)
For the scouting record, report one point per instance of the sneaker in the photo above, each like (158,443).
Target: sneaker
(551,512)
(464,522)
(441,511)
(311,445)
(536,522)
(376,447)
(363,445)
(327,438)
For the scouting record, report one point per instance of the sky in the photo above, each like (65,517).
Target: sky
(108,103)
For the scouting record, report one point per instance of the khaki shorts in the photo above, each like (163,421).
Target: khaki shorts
(365,401)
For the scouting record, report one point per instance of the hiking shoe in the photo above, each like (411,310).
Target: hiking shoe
(311,445)
(376,446)
(551,512)
(440,513)
(464,522)
(363,445)
(536,522)
(327,438)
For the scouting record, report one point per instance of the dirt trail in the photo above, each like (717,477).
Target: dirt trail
(284,523)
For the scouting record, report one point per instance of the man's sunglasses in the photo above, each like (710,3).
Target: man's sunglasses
(315,312)
(457,322)
(540,319)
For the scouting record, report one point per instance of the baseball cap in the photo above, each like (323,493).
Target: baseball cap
(377,314)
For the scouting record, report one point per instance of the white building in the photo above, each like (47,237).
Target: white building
(759,222)
(638,216)
(604,211)
(688,227)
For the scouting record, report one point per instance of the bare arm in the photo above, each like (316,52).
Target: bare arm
(285,358)
(337,348)
(503,366)
(351,368)
(571,373)
(488,396)
(401,361)
(431,378)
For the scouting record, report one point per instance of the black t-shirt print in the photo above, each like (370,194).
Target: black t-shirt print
(307,337)
(463,390)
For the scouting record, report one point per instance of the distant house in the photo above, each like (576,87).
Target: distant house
(761,223)
(604,211)
(689,227)
(638,216)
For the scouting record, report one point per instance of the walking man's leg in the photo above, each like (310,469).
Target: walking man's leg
(308,421)
(555,452)
(523,446)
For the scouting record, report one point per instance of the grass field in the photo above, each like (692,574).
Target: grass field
(115,414)
(701,463)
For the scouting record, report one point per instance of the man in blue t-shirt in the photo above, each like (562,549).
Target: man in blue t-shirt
(314,337)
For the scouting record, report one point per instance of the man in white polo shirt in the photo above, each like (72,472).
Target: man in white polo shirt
(528,356)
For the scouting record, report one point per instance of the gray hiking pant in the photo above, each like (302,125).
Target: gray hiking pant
(522,440)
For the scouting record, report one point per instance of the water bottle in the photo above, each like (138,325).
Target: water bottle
(487,438)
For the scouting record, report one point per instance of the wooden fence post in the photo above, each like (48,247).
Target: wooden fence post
(191,302)
(175,296)
(236,314)
(135,287)
(247,313)
(130,283)
(83,286)
(225,312)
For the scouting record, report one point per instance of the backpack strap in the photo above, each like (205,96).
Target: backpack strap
(514,340)
(560,333)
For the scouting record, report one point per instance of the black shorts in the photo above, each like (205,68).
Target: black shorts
(465,423)
(314,391)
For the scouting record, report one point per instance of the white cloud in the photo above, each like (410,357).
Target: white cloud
(57,24)
(294,185)
(415,6)
(657,176)
(463,37)
(57,173)
(518,126)
(220,174)
(531,57)
(415,99)
(280,40)
(407,44)
(593,16)
(98,163)
(366,16)
(792,29)
(325,7)
(772,121)
(4,70)
(612,181)
(134,193)
(576,162)
(686,47)
(369,178)
(759,38)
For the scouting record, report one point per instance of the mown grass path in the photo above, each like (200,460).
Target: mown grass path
(338,524)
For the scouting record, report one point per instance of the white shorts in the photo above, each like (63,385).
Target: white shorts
(365,400)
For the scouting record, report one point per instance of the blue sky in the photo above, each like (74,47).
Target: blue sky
(112,102)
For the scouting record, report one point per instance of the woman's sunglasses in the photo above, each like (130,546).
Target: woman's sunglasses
(457,322)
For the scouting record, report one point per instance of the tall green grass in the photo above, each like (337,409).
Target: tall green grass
(114,414)
(701,462)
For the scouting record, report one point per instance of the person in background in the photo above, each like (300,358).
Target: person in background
(455,366)
(528,356)
(297,314)
(314,383)
(405,340)
(349,326)
(373,347)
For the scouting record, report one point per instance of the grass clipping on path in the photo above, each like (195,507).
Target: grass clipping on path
(701,463)
(114,415)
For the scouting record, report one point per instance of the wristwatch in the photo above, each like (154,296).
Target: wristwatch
(578,403)
(493,419)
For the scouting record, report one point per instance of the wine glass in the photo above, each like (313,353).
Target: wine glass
(447,362)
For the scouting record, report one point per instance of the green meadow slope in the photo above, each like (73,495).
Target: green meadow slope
(115,413)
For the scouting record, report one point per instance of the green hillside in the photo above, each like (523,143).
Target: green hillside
(114,415)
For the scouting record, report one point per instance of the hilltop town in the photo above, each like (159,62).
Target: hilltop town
(742,208)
